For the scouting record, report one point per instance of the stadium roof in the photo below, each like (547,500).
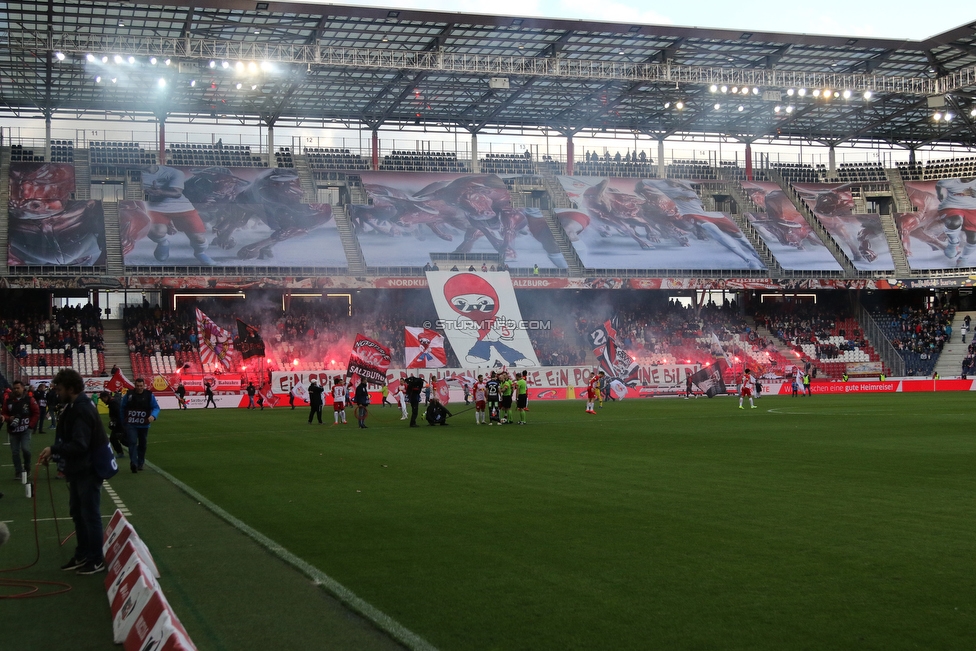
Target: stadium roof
(403,68)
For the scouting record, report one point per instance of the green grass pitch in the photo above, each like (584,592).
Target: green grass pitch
(836,522)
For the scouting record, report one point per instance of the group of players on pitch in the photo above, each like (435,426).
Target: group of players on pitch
(493,398)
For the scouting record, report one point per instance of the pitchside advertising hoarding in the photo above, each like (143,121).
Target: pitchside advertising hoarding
(545,383)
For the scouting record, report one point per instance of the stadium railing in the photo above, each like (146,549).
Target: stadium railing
(882,344)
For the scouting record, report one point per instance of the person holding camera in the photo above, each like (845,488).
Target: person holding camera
(415,386)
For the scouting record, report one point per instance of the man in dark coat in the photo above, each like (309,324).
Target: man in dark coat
(315,401)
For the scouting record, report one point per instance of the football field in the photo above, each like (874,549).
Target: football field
(807,523)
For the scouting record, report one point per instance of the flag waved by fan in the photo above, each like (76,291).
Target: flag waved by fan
(216,344)
(423,348)
(249,342)
(300,391)
(117,382)
(368,359)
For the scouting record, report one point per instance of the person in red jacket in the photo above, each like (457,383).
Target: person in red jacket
(20,413)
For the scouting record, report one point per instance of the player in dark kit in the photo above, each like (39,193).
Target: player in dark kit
(492,392)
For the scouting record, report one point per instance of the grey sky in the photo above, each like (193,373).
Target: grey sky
(896,19)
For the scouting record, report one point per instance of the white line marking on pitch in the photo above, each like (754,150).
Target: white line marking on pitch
(119,504)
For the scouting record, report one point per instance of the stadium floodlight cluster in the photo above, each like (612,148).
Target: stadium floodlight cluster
(250,68)
(315,54)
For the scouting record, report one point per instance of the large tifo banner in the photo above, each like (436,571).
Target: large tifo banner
(935,236)
(789,237)
(861,236)
(481,318)
(227,216)
(411,215)
(45,225)
(650,224)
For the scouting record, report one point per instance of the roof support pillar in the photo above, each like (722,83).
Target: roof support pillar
(831,163)
(662,171)
(270,142)
(47,135)
(570,152)
(375,149)
(748,161)
(475,163)
(161,118)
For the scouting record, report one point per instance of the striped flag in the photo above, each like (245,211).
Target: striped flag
(216,344)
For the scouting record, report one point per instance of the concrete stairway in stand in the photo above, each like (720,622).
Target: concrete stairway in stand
(116,347)
(950,361)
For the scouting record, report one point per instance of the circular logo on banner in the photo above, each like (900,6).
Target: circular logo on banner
(159,383)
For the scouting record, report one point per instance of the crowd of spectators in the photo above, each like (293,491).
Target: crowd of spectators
(796,325)
(67,329)
(918,334)
(152,330)
(923,331)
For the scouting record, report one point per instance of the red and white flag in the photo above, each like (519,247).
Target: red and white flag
(118,382)
(369,359)
(424,348)
(443,391)
(216,344)
(269,397)
(301,391)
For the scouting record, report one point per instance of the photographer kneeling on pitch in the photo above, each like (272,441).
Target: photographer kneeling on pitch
(437,413)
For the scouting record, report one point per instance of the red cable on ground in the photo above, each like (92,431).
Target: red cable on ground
(33,586)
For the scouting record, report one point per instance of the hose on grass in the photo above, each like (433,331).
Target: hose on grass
(31,588)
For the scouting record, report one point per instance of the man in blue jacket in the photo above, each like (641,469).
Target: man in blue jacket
(139,410)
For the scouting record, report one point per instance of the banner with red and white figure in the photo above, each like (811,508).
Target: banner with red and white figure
(482,319)
(423,348)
